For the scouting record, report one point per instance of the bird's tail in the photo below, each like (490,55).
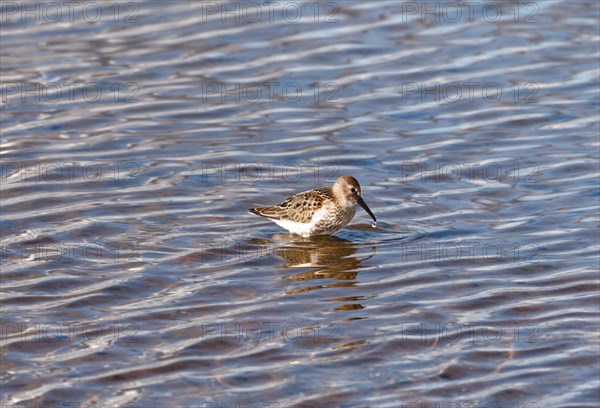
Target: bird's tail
(263,212)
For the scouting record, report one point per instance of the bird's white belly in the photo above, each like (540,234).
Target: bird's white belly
(324,221)
(294,227)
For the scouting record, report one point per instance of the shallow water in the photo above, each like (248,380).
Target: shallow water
(133,146)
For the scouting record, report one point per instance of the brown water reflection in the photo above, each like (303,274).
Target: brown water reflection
(328,257)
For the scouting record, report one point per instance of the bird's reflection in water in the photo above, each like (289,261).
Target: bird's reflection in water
(332,257)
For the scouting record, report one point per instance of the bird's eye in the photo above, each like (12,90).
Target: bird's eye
(353,190)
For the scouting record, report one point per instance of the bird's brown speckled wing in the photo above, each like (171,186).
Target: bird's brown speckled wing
(299,207)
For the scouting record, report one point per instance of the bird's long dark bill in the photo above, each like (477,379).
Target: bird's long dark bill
(366,208)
